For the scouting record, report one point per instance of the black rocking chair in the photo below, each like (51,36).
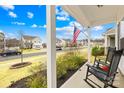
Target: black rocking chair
(107,77)
(106,62)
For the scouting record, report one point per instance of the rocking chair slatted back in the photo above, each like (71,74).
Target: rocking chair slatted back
(110,54)
(115,61)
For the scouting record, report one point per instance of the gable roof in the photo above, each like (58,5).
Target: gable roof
(110,32)
(26,37)
(67,40)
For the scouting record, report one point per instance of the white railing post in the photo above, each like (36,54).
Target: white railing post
(116,37)
(106,43)
(89,44)
(51,46)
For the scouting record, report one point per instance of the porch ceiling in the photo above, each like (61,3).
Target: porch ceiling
(92,15)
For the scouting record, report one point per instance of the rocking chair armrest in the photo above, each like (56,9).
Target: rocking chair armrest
(113,74)
(94,68)
(103,63)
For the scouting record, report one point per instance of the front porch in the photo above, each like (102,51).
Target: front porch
(89,17)
(77,80)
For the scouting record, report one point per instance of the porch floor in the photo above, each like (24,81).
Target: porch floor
(77,80)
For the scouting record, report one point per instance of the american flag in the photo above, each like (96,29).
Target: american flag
(75,35)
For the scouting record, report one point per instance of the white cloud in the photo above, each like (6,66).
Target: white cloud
(10,35)
(98,37)
(63,18)
(72,23)
(65,28)
(60,36)
(96,28)
(68,30)
(57,10)
(34,26)
(30,15)
(12,14)
(70,27)
(18,23)
(61,14)
(44,26)
(7,7)
(1,31)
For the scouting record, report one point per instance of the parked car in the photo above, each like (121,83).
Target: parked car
(10,52)
(58,48)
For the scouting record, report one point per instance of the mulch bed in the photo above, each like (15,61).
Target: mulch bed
(22,83)
(20,65)
(62,80)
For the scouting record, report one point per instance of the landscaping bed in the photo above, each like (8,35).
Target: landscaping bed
(20,65)
(67,65)
(62,80)
(22,83)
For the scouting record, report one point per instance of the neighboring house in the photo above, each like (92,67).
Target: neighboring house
(63,42)
(84,42)
(97,42)
(59,42)
(32,42)
(109,36)
(66,42)
(2,41)
(12,43)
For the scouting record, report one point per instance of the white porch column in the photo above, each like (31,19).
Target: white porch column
(106,43)
(89,44)
(116,37)
(51,46)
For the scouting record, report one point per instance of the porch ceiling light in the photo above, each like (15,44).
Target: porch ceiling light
(99,6)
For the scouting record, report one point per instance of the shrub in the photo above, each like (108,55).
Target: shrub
(65,62)
(61,70)
(37,68)
(97,51)
(39,81)
(68,61)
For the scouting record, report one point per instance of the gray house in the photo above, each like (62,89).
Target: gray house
(2,39)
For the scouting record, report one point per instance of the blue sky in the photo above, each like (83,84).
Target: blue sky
(32,21)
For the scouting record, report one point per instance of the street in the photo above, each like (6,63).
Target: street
(29,55)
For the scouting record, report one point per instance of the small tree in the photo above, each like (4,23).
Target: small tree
(21,34)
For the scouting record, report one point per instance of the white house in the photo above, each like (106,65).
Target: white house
(63,42)
(32,42)
(109,37)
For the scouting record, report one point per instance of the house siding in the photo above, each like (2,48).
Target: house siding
(121,44)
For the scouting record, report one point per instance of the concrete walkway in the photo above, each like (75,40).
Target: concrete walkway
(77,80)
